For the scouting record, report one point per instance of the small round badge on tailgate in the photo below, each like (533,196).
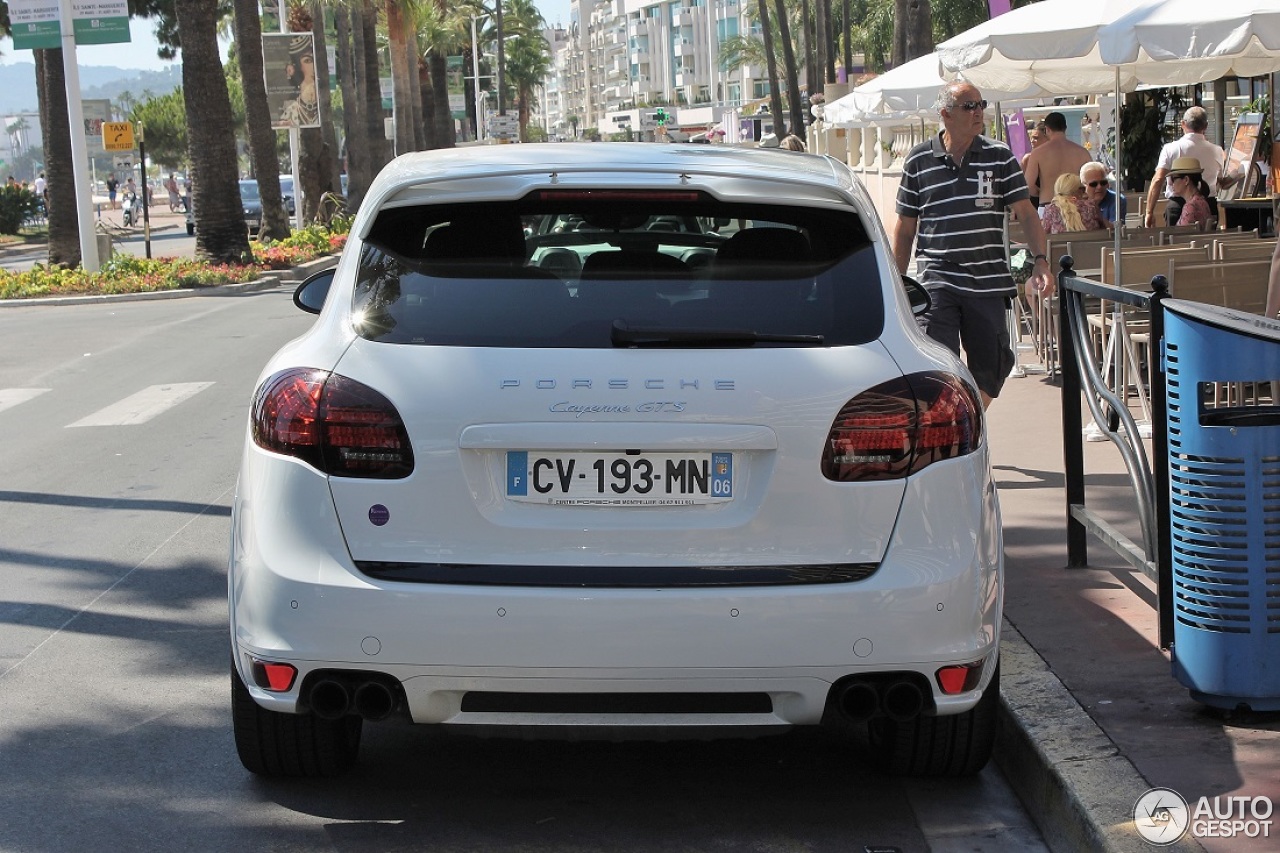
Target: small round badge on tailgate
(379,514)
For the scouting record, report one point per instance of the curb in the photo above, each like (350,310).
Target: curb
(300,273)
(1072,779)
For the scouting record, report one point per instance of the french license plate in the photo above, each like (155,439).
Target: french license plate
(619,479)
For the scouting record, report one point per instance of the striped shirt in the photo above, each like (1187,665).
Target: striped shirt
(960,212)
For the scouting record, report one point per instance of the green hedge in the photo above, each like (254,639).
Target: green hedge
(17,204)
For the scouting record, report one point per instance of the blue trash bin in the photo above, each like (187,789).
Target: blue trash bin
(1222,369)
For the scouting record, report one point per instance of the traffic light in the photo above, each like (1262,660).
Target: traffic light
(660,116)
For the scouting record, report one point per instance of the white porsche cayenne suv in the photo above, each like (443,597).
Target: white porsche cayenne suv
(619,440)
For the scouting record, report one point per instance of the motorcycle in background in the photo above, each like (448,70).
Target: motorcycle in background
(132,214)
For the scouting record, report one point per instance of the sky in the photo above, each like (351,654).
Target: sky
(554,10)
(141,52)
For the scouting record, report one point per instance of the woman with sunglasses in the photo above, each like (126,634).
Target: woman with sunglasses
(1187,183)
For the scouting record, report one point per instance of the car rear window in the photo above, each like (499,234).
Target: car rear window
(606,269)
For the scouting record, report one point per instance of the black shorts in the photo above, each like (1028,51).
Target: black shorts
(981,325)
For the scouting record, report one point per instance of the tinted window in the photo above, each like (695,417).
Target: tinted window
(574,272)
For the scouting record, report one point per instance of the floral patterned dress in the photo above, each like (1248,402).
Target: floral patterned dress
(1195,212)
(1053,223)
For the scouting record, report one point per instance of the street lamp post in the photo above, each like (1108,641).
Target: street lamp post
(502,106)
(475,76)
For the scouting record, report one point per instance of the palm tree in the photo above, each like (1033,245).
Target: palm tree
(529,59)
(440,35)
(747,49)
(64,226)
(353,106)
(220,231)
(126,101)
(398,22)
(364,42)
(16,136)
(789,65)
(320,144)
(262,138)
(912,30)
(820,72)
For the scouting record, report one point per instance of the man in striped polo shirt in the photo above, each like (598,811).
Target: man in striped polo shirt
(951,203)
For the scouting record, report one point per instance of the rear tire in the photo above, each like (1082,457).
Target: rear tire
(271,743)
(950,746)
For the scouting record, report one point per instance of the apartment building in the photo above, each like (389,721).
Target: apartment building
(624,56)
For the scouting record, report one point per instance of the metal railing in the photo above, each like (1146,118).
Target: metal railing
(1109,407)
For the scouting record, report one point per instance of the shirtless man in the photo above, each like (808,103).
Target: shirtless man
(1038,136)
(1054,158)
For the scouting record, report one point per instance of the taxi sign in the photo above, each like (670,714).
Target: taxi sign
(117,136)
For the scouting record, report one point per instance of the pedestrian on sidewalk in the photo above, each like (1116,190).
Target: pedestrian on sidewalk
(112,186)
(171,186)
(952,200)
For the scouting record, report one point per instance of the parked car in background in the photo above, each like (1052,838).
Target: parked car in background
(251,201)
(605,440)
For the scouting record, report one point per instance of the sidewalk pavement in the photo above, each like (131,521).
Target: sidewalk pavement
(160,220)
(1093,716)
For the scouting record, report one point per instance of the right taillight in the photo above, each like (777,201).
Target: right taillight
(335,424)
(897,428)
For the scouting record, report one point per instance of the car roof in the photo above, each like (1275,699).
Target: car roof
(479,161)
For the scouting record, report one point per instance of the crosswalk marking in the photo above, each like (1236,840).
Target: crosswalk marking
(143,406)
(10,397)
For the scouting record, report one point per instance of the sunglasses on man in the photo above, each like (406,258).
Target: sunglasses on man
(1096,184)
(970,106)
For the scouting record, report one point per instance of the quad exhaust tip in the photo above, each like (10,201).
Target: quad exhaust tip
(332,698)
(900,699)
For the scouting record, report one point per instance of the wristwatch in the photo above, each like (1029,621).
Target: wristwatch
(1044,258)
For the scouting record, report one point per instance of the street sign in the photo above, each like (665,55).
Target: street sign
(37,24)
(503,126)
(117,136)
(653,119)
(122,162)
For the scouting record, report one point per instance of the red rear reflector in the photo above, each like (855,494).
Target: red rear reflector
(276,677)
(332,423)
(959,679)
(901,427)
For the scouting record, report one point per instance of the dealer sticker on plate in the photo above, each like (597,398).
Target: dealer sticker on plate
(619,479)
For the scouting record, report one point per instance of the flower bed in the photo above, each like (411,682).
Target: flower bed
(301,246)
(122,274)
(125,273)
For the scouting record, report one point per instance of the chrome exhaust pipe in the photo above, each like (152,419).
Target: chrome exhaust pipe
(374,701)
(329,699)
(858,701)
(903,701)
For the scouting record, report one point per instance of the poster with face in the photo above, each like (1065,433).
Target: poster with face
(289,71)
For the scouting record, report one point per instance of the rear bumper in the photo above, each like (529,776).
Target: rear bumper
(297,598)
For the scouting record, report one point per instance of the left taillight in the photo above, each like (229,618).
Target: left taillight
(335,424)
(902,426)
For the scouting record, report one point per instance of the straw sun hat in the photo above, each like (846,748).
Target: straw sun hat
(1185,166)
